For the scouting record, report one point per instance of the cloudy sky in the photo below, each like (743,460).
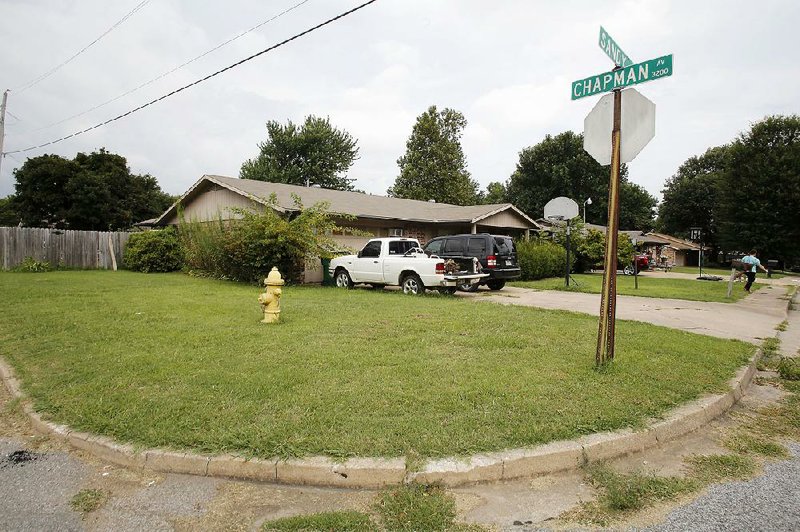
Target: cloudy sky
(506,65)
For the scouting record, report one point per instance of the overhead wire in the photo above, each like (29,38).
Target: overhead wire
(56,68)
(165,74)
(176,91)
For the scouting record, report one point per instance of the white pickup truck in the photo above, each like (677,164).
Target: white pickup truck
(401,262)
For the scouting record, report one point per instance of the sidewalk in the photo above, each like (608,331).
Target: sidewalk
(761,278)
(751,319)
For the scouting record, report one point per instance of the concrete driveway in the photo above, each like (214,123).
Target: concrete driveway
(750,319)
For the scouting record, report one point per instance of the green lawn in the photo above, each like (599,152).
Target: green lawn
(690,289)
(167,360)
(726,272)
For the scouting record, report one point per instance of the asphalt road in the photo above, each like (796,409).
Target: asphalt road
(769,502)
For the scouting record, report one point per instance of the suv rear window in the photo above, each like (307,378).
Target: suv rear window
(454,245)
(503,246)
(434,247)
(476,247)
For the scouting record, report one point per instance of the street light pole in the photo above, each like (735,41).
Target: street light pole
(589,201)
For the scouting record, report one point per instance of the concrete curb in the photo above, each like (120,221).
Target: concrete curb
(380,472)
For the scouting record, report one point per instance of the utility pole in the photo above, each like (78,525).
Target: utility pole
(3,126)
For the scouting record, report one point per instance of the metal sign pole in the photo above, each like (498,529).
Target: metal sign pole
(566,275)
(608,299)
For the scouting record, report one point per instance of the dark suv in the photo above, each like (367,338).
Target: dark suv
(496,253)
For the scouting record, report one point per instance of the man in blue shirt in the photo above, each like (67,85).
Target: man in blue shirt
(751,273)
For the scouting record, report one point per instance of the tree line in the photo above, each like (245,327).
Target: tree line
(743,194)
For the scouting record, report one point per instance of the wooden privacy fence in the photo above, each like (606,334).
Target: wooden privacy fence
(73,249)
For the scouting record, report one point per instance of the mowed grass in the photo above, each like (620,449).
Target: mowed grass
(689,289)
(171,361)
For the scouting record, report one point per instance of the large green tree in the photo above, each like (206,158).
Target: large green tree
(495,193)
(690,197)
(314,153)
(93,191)
(559,166)
(8,212)
(434,166)
(760,192)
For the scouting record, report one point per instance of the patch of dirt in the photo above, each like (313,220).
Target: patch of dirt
(247,505)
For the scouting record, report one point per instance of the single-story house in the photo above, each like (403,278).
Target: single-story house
(671,251)
(664,250)
(212,198)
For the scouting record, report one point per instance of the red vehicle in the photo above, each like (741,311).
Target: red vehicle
(642,263)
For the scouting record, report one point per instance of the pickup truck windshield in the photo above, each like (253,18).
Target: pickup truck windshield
(399,247)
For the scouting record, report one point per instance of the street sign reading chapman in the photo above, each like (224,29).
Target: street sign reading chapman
(616,79)
(614,132)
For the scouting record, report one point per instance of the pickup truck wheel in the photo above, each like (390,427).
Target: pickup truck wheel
(468,287)
(495,285)
(412,284)
(343,279)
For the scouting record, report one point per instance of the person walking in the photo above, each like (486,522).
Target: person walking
(754,263)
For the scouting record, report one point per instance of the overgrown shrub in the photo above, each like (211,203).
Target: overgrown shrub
(154,251)
(31,265)
(539,259)
(589,247)
(247,248)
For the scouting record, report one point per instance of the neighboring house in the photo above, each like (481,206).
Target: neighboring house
(212,197)
(673,251)
(663,250)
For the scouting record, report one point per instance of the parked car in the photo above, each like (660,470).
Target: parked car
(642,263)
(401,262)
(496,254)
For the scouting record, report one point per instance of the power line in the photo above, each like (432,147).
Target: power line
(176,91)
(165,74)
(58,67)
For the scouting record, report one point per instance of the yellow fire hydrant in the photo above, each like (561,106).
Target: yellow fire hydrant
(270,300)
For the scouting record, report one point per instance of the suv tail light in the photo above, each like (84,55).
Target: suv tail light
(440,268)
(491,261)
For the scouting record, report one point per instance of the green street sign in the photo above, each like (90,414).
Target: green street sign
(660,67)
(612,49)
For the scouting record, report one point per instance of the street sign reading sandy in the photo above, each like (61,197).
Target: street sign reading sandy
(612,49)
(660,67)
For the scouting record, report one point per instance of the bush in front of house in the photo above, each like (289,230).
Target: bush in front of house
(154,251)
(247,248)
(539,259)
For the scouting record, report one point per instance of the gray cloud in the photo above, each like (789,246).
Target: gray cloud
(506,65)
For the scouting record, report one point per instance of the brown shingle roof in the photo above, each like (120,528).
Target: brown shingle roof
(354,203)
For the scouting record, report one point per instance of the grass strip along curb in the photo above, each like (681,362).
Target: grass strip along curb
(380,472)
